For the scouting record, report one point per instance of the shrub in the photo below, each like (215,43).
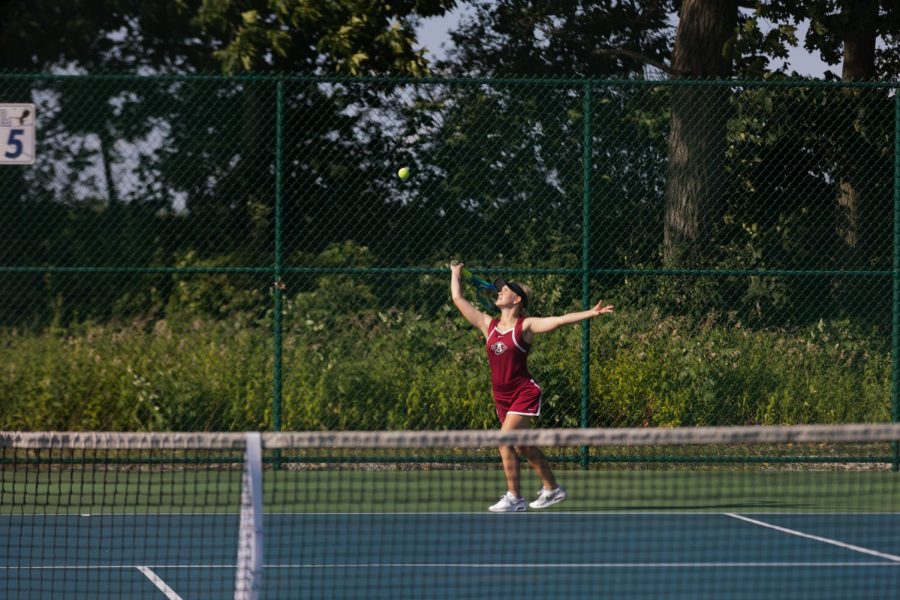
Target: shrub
(398,370)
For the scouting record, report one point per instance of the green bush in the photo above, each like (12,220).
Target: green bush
(398,370)
(675,374)
(201,375)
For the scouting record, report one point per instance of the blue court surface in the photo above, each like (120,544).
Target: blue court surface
(552,554)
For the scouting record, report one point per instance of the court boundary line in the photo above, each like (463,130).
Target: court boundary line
(659,565)
(817,538)
(122,567)
(158,582)
(611,512)
(406,565)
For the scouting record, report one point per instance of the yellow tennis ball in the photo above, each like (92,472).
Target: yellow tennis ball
(403,173)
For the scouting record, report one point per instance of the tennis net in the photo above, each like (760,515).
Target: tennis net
(799,512)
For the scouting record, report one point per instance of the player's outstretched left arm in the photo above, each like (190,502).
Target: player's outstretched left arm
(545,324)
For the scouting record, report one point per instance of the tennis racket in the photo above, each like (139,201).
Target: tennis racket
(482,289)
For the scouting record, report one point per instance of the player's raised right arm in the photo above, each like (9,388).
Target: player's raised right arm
(472,314)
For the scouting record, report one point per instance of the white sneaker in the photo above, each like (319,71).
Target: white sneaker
(549,497)
(508,503)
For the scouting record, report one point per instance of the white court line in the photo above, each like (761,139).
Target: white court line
(660,565)
(609,565)
(165,589)
(106,567)
(817,538)
(526,514)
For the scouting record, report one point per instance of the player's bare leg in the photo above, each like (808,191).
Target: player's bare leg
(510,456)
(533,455)
(510,460)
(552,493)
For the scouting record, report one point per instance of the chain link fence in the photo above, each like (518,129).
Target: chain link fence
(210,253)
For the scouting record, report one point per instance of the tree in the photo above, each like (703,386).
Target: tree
(119,35)
(698,124)
(604,38)
(846,32)
(355,37)
(858,36)
(623,38)
(514,151)
(217,154)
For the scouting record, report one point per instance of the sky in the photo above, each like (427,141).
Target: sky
(434,35)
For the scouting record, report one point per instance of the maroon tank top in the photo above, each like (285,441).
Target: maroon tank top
(507,355)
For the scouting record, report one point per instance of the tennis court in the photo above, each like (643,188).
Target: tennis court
(463,555)
(172,523)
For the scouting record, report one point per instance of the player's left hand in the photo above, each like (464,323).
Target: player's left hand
(602,309)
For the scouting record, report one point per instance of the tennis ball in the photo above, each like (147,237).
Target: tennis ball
(403,173)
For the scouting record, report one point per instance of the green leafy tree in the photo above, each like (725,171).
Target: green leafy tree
(548,38)
(355,37)
(208,186)
(510,155)
(846,32)
(335,145)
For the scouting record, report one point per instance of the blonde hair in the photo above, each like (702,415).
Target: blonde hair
(523,309)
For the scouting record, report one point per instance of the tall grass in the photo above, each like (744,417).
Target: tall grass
(400,370)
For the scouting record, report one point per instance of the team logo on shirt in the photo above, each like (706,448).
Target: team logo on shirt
(499,348)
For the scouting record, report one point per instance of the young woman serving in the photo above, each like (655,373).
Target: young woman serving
(517,397)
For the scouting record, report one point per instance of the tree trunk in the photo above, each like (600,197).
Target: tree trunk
(697,136)
(106,147)
(859,32)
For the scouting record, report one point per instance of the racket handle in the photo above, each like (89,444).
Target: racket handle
(467,274)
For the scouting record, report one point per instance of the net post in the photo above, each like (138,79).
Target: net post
(249,572)
(585,267)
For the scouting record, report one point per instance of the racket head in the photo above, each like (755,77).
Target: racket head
(484,300)
(484,292)
(482,288)
(478,282)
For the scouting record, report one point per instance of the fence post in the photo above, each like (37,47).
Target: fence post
(276,321)
(895,276)
(586,266)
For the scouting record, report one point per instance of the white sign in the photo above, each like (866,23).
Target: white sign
(17,134)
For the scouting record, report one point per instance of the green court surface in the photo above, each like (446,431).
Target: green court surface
(438,490)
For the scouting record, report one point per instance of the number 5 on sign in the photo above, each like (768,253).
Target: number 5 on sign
(16,134)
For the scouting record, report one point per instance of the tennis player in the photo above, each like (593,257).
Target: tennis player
(517,397)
